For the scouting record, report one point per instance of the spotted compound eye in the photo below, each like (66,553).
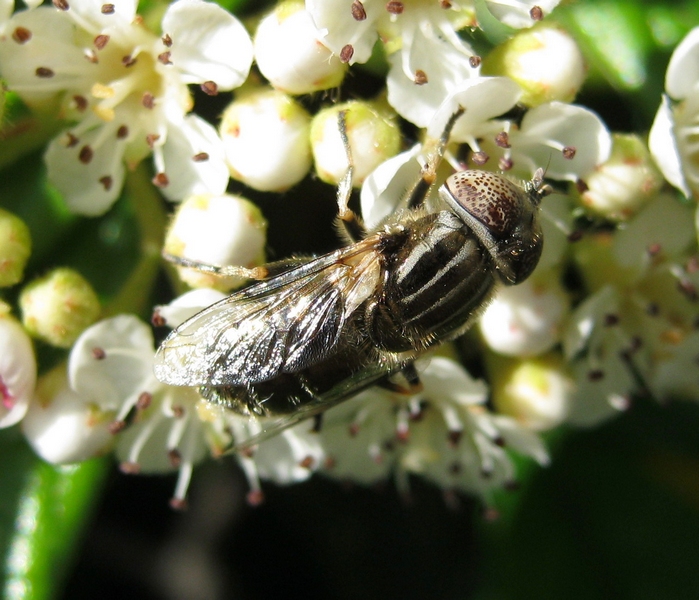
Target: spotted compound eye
(491,199)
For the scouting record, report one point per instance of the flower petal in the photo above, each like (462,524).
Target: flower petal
(187,305)
(208,43)
(187,142)
(17,371)
(112,361)
(90,174)
(663,147)
(517,13)
(683,71)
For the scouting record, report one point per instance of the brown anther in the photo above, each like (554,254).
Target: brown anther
(581,186)
(177,411)
(164,57)
(209,88)
(475,61)
(21,35)
(98,353)
(346,53)
(491,514)
(358,12)
(402,434)
(80,103)
(160,180)
(61,4)
(167,40)
(151,138)
(595,375)
(130,468)
(100,41)
(420,77)
(148,100)
(156,319)
(569,152)
(455,468)
(575,236)
(654,249)
(611,319)
(144,400)
(652,310)
(454,436)
(200,157)
(499,441)
(255,497)
(307,462)
(108,9)
(479,158)
(174,457)
(536,13)
(395,7)
(85,155)
(505,163)
(107,182)
(72,140)
(122,132)
(692,265)
(91,56)
(44,72)
(128,60)
(329,462)
(445,4)
(503,140)
(179,504)
(116,426)
(353,429)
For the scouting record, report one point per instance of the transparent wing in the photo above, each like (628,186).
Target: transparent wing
(280,325)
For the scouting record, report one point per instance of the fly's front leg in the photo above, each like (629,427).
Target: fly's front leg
(351,222)
(433,152)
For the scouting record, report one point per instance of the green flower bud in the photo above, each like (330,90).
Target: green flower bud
(535,391)
(373,137)
(617,189)
(58,307)
(544,60)
(15,247)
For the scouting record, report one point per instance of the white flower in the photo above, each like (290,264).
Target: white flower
(127,90)
(17,369)
(266,140)
(637,324)
(526,319)
(217,230)
(443,433)
(289,54)
(427,56)
(672,138)
(569,141)
(520,13)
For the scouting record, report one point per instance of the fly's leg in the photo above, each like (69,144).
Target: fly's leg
(257,273)
(351,222)
(412,378)
(433,152)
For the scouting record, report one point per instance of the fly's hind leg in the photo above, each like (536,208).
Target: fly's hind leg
(256,273)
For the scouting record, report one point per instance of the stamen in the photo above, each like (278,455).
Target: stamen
(346,53)
(107,182)
(209,88)
(21,35)
(108,9)
(358,11)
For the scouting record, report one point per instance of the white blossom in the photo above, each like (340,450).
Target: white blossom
(127,91)
(17,369)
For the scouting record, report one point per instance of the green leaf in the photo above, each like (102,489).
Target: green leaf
(616,515)
(43,510)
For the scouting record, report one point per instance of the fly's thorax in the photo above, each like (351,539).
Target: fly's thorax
(503,215)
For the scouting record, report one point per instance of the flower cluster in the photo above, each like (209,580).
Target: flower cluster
(108,93)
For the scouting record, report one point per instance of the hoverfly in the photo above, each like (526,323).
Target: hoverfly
(313,333)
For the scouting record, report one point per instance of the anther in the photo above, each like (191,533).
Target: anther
(346,53)
(358,11)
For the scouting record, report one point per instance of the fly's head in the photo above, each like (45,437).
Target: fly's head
(504,216)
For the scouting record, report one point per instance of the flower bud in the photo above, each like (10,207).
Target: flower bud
(58,307)
(217,230)
(536,391)
(618,188)
(15,247)
(544,60)
(289,54)
(526,319)
(265,138)
(373,137)
(61,426)
(17,369)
